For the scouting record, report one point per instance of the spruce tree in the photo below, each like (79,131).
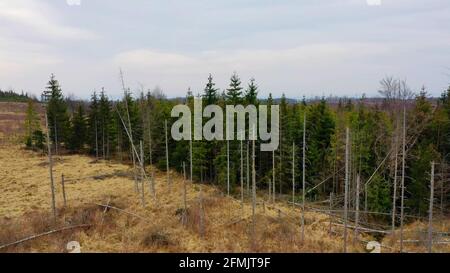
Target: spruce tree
(251,94)
(78,136)
(105,120)
(210,93)
(234,92)
(93,124)
(58,117)
(32,123)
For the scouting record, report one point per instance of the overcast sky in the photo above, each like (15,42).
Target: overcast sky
(299,47)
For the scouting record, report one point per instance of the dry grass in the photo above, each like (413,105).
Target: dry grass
(25,207)
(416,237)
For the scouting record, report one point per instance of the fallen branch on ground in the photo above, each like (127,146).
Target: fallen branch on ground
(43,234)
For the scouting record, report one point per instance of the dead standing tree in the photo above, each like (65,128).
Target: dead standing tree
(50,167)
(402,208)
(303,178)
(347,152)
(129,131)
(184,219)
(293,175)
(430,213)
(253,193)
(273,177)
(167,153)
(141,146)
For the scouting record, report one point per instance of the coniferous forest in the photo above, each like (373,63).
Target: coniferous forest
(393,140)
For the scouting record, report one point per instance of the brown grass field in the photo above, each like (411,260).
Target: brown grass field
(25,210)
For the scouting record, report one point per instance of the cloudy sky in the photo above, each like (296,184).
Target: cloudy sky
(299,47)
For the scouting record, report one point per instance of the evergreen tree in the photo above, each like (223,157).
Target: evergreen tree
(78,136)
(58,117)
(93,124)
(251,94)
(32,123)
(234,92)
(105,118)
(210,93)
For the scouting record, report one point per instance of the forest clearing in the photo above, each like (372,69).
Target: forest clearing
(25,194)
(225,132)
(107,214)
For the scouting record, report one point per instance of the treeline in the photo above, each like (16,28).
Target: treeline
(11,96)
(377,133)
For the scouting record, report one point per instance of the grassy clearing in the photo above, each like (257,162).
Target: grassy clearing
(25,210)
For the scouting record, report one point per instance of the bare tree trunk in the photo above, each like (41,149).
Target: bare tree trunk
(103,140)
(190,154)
(253,194)
(248,168)
(242,175)
(136,183)
(141,145)
(402,208)
(442,188)
(167,152)
(293,175)
(50,167)
(331,213)
(394,197)
(118,140)
(96,139)
(201,220)
(358,181)
(303,178)
(184,195)
(347,152)
(273,177)
(228,168)
(150,155)
(56,138)
(63,190)
(430,213)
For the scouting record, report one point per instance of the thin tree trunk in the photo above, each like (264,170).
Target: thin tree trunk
(201,220)
(273,177)
(442,188)
(293,175)
(136,183)
(430,213)
(253,195)
(331,213)
(303,178)
(228,168)
(242,175)
(50,167)
(56,138)
(141,145)
(184,195)
(103,140)
(150,155)
(403,179)
(347,152)
(190,154)
(358,181)
(394,197)
(63,190)
(167,152)
(248,168)
(96,139)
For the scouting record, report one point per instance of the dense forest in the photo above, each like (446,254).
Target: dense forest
(403,129)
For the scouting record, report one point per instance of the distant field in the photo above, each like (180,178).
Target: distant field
(12,119)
